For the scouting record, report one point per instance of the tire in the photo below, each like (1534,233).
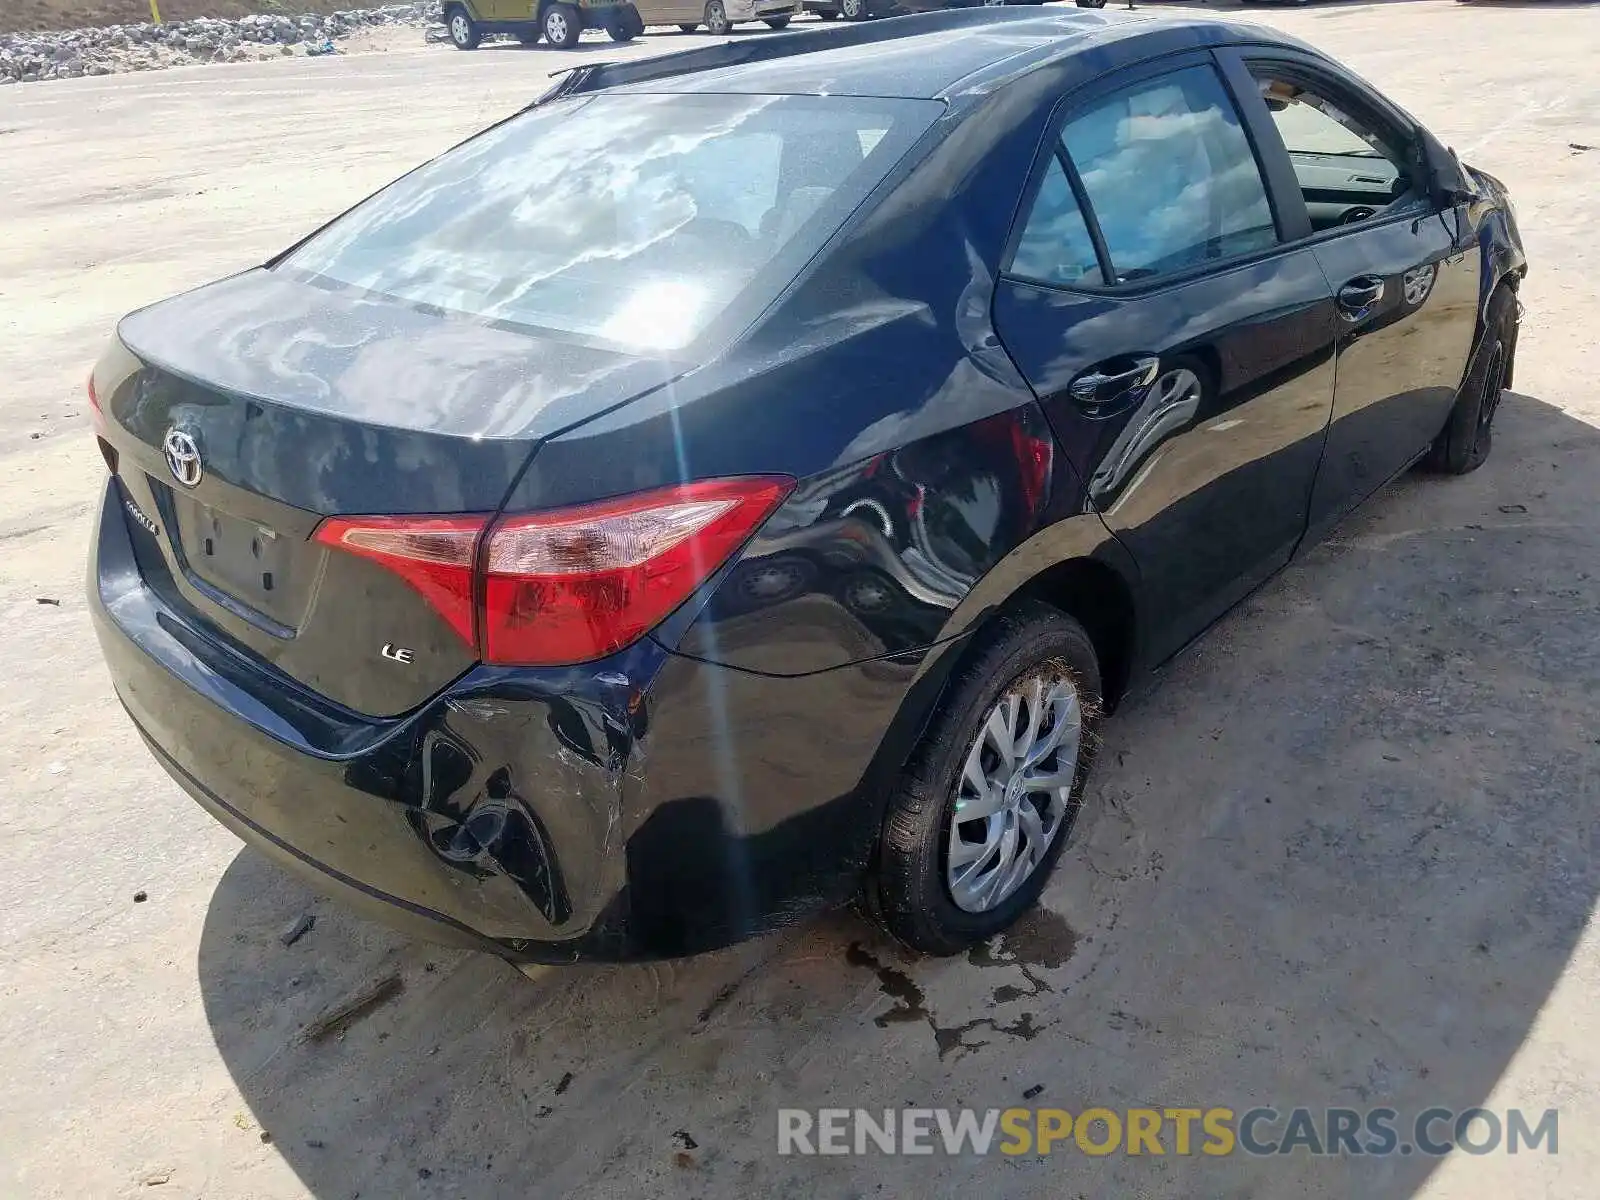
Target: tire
(910,890)
(853,10)
(562,26)
(464,31)
(777,22)
(688,28)
(1468,434)
(716,19)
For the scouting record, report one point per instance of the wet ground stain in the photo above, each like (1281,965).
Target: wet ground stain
(910,1005)
(1041,939)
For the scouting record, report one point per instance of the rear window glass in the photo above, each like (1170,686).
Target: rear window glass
(630,219)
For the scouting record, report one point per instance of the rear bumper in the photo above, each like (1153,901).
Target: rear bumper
(649,805)
(760,10)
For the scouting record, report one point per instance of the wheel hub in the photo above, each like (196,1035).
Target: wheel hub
(1015,791)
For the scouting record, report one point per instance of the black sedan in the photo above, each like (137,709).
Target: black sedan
(745,479)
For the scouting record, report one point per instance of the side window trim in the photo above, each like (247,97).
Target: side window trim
(1053,147)
(1283,189)
(1102,253)
(1239,63)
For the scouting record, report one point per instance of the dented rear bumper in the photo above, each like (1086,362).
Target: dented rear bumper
(648,805)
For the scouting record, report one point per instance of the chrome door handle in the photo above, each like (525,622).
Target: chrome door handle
(1096,388)
(1357,298)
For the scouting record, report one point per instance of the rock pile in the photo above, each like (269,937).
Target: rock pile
(27,57)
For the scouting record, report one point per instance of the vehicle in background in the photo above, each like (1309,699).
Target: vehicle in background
(717,16)
(864,10)
(559,22)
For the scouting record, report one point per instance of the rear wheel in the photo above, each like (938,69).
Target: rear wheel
(853,10)
(983,809)
(1468,435)
(464,31)
(562,25)
(778,22)
(716,22)
(626,24)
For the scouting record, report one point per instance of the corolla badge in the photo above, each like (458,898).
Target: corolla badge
(183,457)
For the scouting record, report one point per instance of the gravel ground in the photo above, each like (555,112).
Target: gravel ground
(108,50)
(1345,854)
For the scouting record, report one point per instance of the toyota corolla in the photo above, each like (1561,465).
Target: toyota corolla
(745,479)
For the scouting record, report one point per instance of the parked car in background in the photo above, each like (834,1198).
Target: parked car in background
(746,478)
(559,22)
(717,16)
(864,10)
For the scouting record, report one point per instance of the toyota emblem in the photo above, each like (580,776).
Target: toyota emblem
(183,457)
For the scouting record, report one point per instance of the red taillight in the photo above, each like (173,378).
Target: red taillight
(573,584)
(579,583)
(432,554)
(97,415)
(97,419)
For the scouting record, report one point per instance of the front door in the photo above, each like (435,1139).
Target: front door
(1407,293)
(1183,355)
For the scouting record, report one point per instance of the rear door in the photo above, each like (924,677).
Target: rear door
(1183,353)
(1405,284)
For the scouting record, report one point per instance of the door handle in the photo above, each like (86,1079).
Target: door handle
(1101,386)
(1357,298)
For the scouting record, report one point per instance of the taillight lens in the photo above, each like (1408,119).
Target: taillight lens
(573,584)
(97,420)
(432,554)
(580,583)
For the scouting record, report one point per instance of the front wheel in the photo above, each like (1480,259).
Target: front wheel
(777,22)
(1468,435)
(987,798)
(464,31)
(716,19)
(562,25)
(853,10)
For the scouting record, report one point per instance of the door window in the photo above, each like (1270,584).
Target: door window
(1170,175)
(1349,170)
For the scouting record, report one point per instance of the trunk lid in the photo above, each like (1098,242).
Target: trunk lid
(244,413)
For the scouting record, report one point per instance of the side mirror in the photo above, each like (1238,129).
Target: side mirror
(1447,180)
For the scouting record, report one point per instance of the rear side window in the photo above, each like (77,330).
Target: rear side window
(1169,173)
(630,219)
(1055,246)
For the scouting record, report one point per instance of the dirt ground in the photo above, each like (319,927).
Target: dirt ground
(1344,854)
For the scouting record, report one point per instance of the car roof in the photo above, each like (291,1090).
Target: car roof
(937,55)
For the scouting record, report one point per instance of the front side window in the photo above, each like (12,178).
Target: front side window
(1348,169)
(631,219)
(1170,175)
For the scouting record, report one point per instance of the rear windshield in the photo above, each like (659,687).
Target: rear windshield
(629,219)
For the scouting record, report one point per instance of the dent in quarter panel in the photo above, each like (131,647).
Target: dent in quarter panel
(871,559)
